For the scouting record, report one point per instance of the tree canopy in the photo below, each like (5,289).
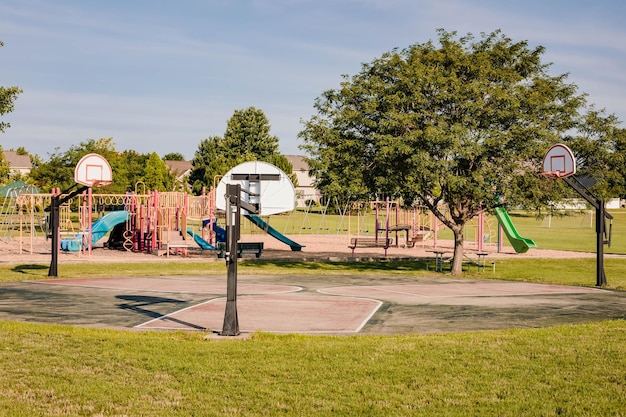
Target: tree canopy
(173,156)
(247,138)
(464,122)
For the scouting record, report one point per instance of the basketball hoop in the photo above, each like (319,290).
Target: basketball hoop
(93,171)
(559,162)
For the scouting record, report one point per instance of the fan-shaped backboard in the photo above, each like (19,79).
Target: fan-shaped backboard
(559,161)
(276,192)
(93,170)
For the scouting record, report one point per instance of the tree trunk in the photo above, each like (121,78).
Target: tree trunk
(457,261)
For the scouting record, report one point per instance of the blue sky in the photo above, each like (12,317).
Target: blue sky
(163,75)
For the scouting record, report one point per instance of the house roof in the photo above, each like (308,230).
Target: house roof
(16,161)
(298,162)
(179,167)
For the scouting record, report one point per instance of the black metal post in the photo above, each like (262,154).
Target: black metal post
(601,216)
(54,230)
(234,204)
(54,209)
(231,320)
(600,230)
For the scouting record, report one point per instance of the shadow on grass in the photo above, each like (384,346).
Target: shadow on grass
(28,268)
(349,266)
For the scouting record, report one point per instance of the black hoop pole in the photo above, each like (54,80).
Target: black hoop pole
(233,211)
(601,216)
(55,204)
(234,204)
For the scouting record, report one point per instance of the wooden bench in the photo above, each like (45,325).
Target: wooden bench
(255,248)
(370,242)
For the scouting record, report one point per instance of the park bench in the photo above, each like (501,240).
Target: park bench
(255,248)
(370,242)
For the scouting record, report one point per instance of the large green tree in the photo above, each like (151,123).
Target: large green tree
(463,122)
(128,172)
(208,163)
(156,175)
(247,138)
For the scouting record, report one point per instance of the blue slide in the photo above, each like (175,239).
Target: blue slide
(204,245)
(259,222)
(220,233)
(99,229)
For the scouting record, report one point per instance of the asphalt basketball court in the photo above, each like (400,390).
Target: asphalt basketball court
(198,303)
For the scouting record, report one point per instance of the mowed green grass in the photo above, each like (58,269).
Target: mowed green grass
(566,271)
(576,370)
(558,371)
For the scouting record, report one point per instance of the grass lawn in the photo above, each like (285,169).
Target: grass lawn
(558,371)
(571,271)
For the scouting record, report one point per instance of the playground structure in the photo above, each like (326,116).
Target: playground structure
(136,221)
(140,221)
(411,226)
(174,222)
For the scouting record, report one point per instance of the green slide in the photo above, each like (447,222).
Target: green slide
(259,222)
(520,244)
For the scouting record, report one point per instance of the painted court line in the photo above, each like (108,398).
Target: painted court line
(456,289)
(169,285)
(288,313)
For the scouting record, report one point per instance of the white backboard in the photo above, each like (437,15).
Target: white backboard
(93,170)
(274,196)
(559,161)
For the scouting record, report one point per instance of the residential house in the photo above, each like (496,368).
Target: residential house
(306,184)
(181,169)
(19,164)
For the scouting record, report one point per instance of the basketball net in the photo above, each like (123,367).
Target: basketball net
(552,174)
